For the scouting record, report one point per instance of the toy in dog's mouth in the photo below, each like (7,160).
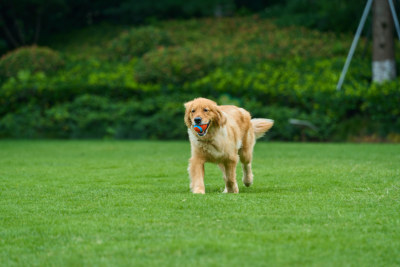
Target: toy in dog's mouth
(201,129)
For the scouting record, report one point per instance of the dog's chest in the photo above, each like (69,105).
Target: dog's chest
(215,150)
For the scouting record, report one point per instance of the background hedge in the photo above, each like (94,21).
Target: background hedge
(274,72)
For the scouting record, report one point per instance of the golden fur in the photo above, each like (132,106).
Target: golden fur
(231,132)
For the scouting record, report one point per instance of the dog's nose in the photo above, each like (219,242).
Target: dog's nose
(197,120)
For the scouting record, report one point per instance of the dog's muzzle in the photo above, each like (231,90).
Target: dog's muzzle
(201,129)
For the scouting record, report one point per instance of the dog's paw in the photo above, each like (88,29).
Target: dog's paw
(248,184)
(247,181)
(198,191)
(235,190)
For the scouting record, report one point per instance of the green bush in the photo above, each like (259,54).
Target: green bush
(32,59)
(119,107)
(284,130)
(85,117)
(274,73)
(91,116)
(174,65)
(26,122)
(230,43)
(138,41)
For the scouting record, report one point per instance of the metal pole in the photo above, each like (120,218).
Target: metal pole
(354,44)
(395,19)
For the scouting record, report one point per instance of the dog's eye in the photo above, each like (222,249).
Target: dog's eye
(206,110)
(193,110)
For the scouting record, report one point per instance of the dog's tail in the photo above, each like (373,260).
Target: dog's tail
(260,126)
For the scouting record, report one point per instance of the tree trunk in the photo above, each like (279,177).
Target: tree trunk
(37,28)
(383,60)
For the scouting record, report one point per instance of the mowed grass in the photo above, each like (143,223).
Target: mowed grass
(121,203)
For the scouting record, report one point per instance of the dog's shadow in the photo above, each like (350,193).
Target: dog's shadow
(254,189)
(248,190)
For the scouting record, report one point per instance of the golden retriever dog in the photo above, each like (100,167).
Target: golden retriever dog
(222,135)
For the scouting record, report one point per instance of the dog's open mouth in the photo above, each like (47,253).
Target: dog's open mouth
(201,129)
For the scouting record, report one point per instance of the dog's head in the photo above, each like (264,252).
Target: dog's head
(205,114)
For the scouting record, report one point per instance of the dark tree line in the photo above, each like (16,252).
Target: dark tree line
(24,22)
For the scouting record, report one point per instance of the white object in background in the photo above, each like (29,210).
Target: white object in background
(383,70)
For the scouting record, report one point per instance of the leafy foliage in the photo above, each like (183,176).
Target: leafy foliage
(275,73)
(338,16)
(229,43)
(137,42)
(174,65)
(32,59)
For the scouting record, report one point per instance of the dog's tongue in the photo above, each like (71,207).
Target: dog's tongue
(200,128)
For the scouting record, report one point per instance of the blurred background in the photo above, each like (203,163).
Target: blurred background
(122,69)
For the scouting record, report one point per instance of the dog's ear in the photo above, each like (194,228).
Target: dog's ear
(220,119)
(188,107)
(188,104)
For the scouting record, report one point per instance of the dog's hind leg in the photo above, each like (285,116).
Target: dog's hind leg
(246,156)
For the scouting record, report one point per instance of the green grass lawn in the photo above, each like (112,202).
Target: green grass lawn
(108,203)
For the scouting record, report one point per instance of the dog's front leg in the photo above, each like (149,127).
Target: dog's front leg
(196,173)
(230,177)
